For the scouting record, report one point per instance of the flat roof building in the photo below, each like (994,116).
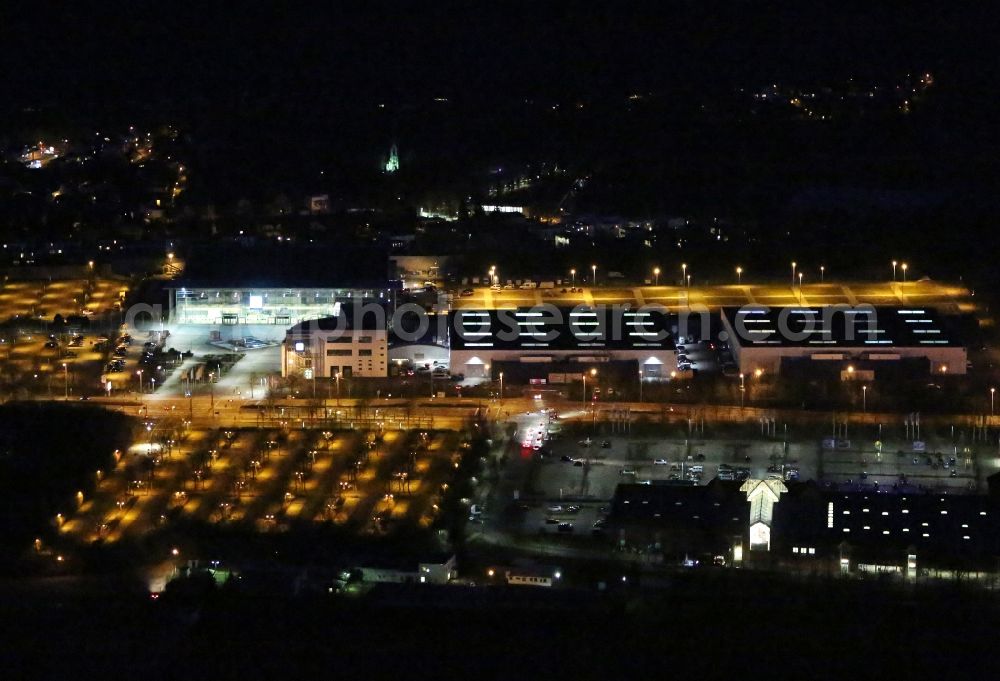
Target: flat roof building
(814,528)
(280,285)
(546,335)
(337,346)
(767,338)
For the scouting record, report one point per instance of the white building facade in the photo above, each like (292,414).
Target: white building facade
(324,348)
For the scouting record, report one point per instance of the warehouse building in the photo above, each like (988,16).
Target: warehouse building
(557,345)
(863,338)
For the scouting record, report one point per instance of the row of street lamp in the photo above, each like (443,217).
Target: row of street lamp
(686,278)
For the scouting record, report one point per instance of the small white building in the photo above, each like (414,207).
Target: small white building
(338,346)
(432,570)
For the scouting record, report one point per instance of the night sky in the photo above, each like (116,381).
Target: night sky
(116,55)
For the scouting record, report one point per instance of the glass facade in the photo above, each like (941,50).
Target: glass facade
(284,307)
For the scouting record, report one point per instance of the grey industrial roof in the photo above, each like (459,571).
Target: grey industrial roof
(547,327)
(840,326)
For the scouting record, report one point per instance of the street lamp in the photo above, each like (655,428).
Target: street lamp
(822,272)
(793,273)
(894,263)
(594,269)
(743,389)
(992,399)
(904,267)
(139,374)
(66,377)
(739,275)
(864,398)
(640,385)
(593,372)
(572,273)
(501,387)
(684,272)
(656,276)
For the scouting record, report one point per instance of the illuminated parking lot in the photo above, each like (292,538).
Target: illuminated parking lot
(270,480)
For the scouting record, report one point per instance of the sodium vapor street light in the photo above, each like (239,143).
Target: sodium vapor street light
(593,372)
(594,268)
(656,276)
(739,275)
